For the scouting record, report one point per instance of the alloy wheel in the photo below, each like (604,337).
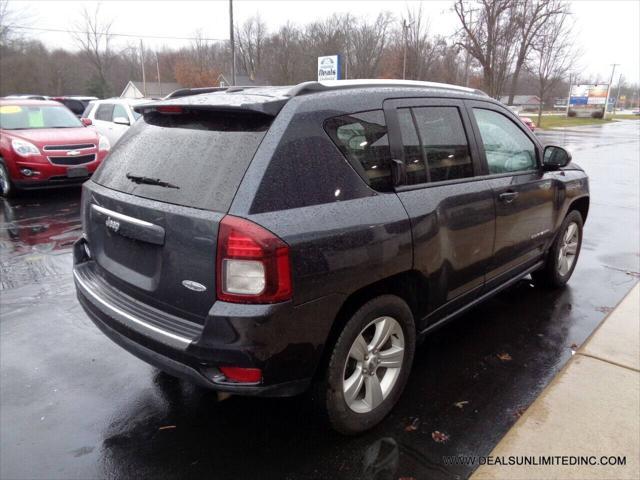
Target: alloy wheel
(568,249)
(373,365)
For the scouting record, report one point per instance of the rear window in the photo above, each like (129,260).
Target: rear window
(203,154)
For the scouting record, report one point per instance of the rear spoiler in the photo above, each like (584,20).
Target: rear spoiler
(185,92)
(235,103)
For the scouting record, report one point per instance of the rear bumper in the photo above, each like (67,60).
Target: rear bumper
(283,340)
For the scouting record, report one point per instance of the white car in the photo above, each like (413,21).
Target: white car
(112,117)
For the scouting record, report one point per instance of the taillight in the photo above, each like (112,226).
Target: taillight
(252,265)
(169,109)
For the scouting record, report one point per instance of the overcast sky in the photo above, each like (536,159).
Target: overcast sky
(607,31)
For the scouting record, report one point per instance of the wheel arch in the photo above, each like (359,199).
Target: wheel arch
(581,205)
(410,286)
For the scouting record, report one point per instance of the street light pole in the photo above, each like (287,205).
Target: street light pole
(144,78)
(158,71)
(233,44)
(606,102)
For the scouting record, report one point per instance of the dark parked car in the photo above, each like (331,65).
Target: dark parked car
(264,241)
(76,103)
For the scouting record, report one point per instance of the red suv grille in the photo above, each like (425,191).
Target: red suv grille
(79,160)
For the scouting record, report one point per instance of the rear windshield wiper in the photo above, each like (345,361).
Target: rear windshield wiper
(150,181)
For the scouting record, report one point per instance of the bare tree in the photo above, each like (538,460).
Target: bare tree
(94,39)
(325,37)
(367,43)
(487,33)
(552,56)
(421,50)
(530,17)
(283,56)
(250,39)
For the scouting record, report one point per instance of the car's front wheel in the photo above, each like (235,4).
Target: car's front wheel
(563,254)
(369,365)
(7,189)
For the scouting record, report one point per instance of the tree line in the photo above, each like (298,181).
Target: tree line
(504,47)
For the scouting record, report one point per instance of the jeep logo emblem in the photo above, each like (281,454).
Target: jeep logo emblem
(195,286)
(112,224)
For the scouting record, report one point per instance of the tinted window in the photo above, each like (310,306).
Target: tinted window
(119,112)
(104,112)
(204,154)
(443,148)
(413,157)
(506,147)
(75,106)
(362,139)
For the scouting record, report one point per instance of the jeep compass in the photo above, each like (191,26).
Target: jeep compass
(269,240)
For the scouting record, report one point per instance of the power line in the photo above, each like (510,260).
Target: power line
(158,37)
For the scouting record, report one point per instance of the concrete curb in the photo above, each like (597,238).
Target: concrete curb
(590,410)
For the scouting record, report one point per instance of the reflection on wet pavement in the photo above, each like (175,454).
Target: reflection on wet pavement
(74,405)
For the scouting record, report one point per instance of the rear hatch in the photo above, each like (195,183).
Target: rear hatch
(151,212)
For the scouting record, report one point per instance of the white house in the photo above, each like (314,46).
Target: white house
(149,90)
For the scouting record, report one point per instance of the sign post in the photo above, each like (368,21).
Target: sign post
(329,68)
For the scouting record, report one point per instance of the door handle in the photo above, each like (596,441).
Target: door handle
(508,197)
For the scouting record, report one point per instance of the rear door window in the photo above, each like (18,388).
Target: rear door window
(104,112)
(202,155)
(443,147)
(362,139)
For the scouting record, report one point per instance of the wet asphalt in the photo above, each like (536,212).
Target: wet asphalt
(74,405)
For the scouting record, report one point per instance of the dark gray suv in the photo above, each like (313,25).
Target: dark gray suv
(261,241)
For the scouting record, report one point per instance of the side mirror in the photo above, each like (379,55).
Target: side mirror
(121,121)
(86,121)
(555,157)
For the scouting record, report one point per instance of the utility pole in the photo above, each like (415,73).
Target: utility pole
(606,102)
(615,104)
(404,61)
(158,71)
(233,44)
(569,97)
(144,78)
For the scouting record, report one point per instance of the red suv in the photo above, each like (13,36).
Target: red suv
(43,144)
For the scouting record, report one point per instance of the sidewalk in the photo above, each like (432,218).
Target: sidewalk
(591,408)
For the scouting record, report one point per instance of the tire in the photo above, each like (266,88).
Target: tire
(7,188)
(385,322)
(555,273)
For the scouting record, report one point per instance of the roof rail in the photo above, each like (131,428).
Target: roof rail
(315,87)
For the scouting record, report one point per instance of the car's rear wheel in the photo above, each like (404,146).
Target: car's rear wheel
(563,255)
(7,189)
(369,365)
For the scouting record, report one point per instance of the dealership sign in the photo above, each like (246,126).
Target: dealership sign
(329,68)
(588,95)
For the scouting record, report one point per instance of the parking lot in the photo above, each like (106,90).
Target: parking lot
(75,405)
